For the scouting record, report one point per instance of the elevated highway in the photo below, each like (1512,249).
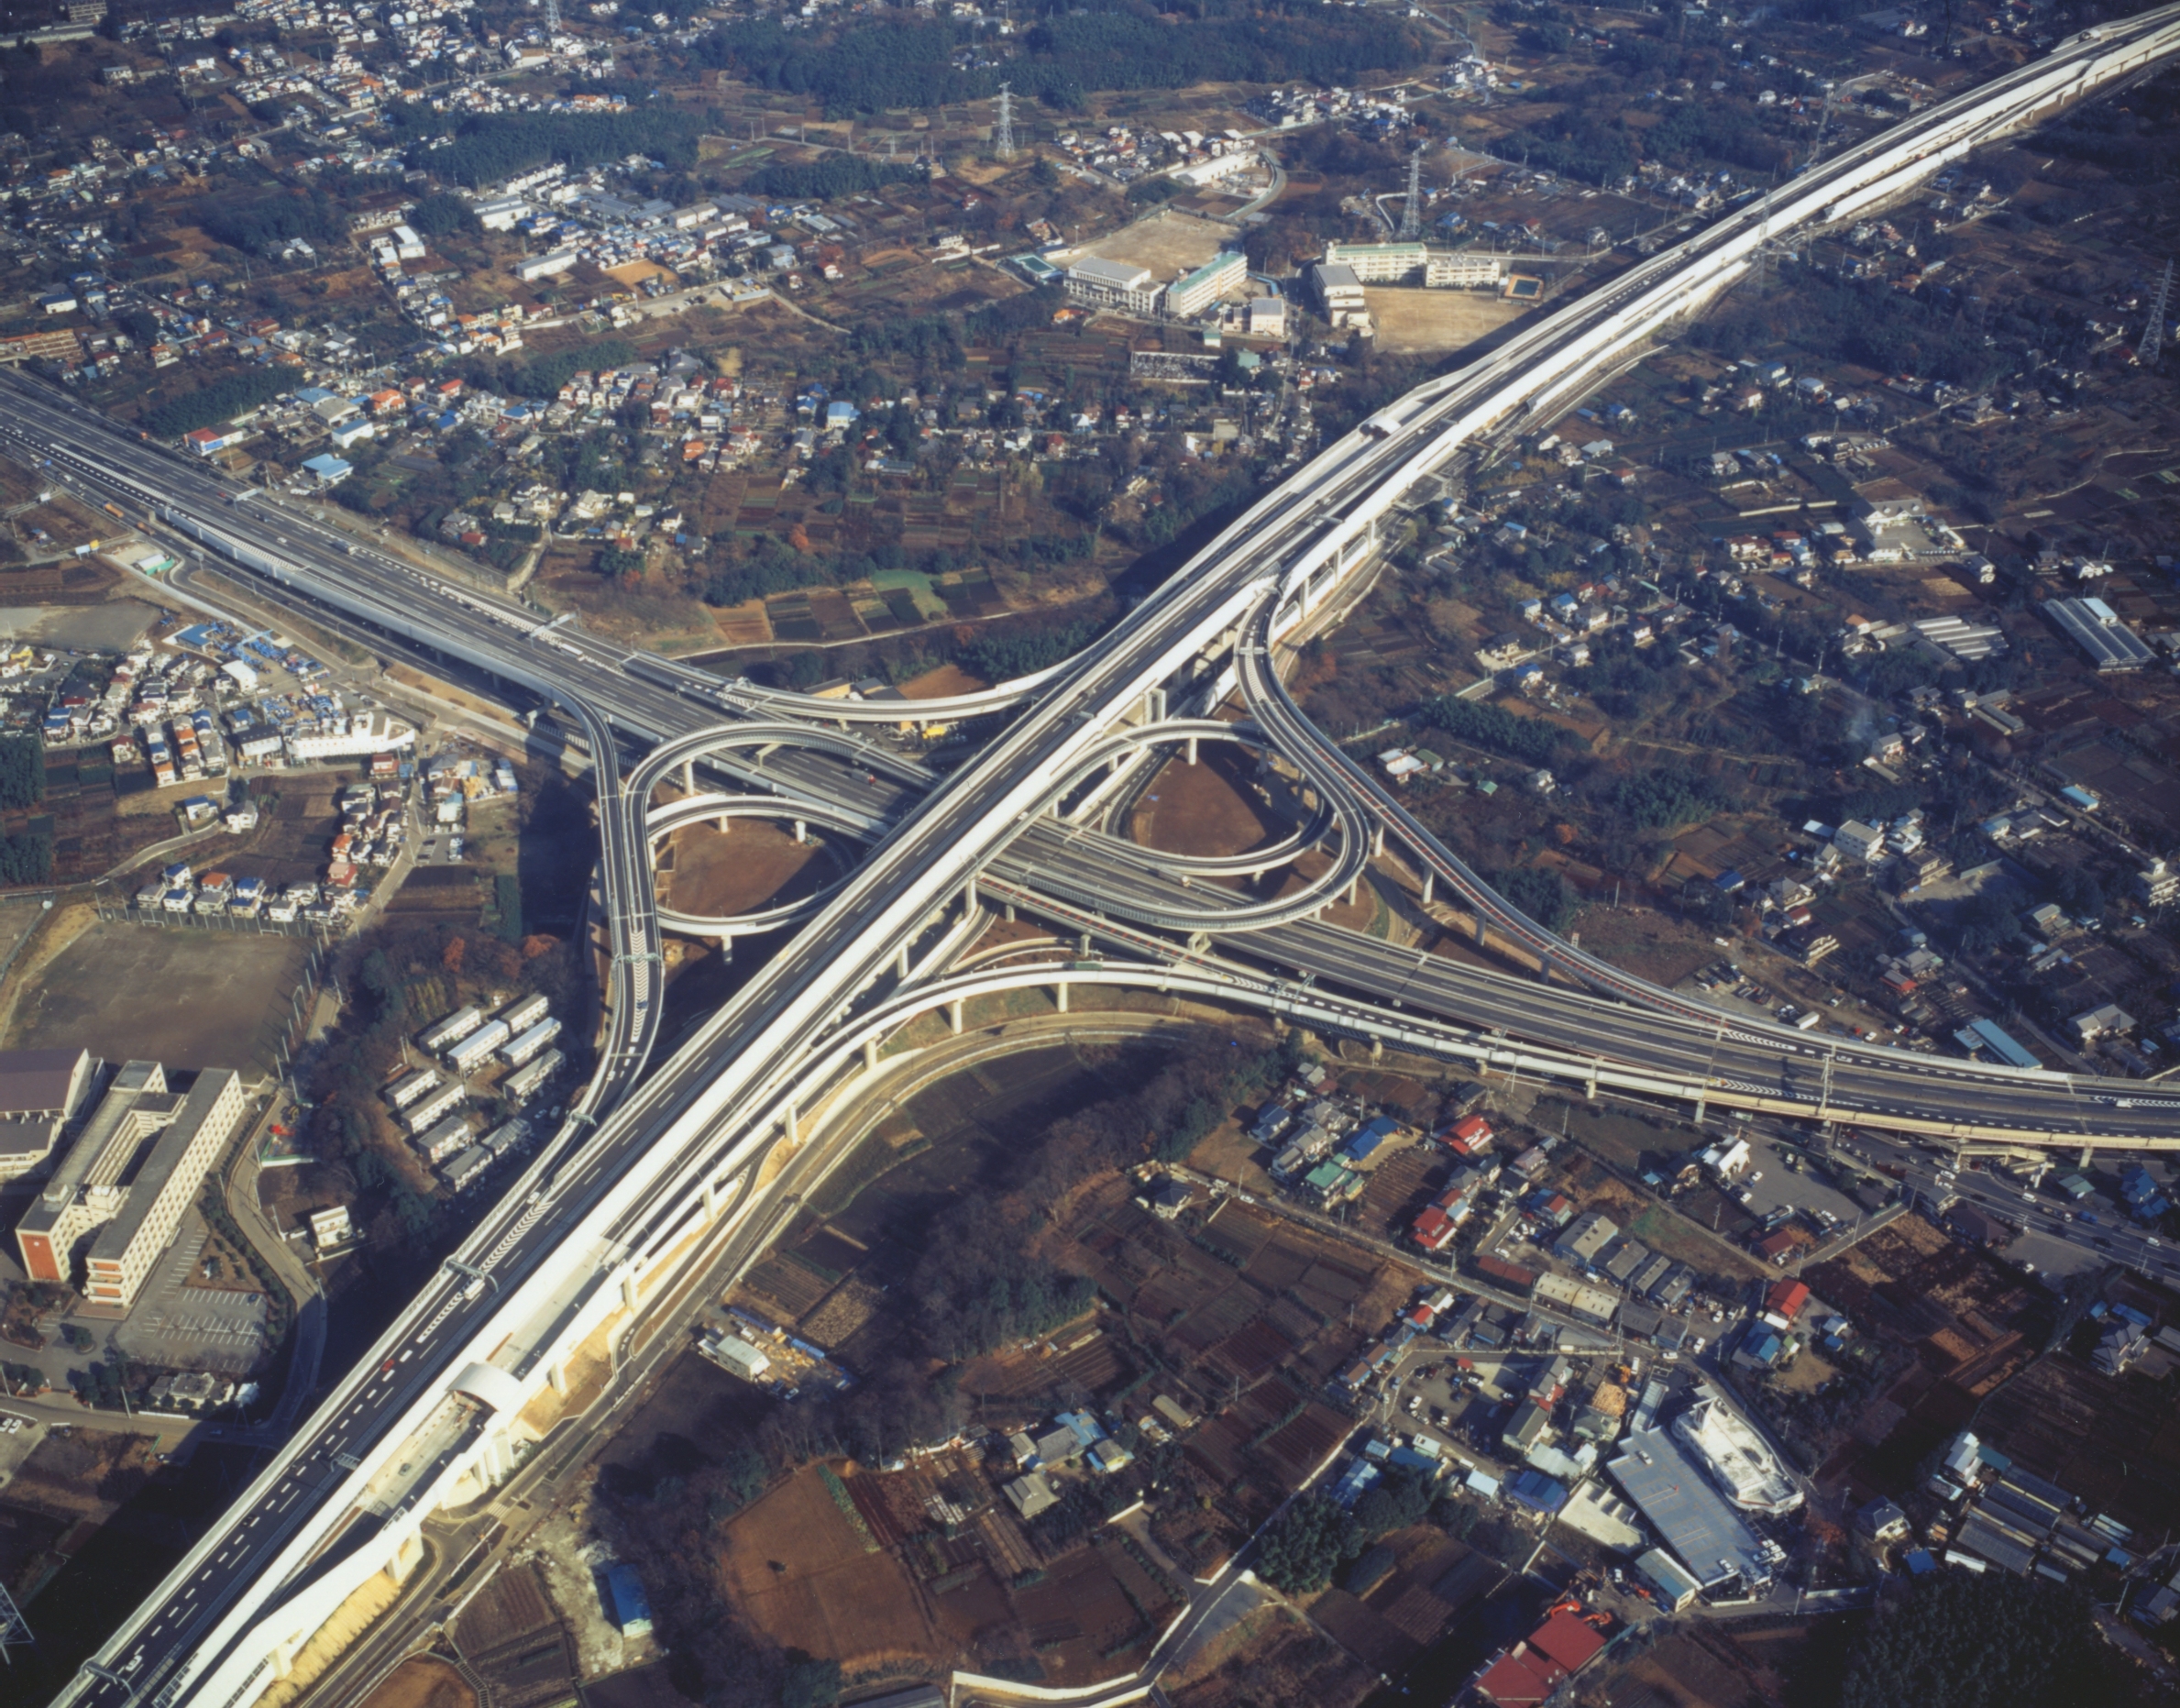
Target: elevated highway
(608,1213)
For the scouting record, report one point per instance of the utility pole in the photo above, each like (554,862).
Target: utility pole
(1003,132)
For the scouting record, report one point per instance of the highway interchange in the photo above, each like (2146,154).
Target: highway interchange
(618,1181)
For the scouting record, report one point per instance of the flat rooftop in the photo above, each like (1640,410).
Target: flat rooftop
(1703,1529)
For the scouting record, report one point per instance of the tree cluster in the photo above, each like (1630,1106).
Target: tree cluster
(1989,1640)
(214,404)
(894,62)
(1530,740)
(490,148)
(22,768)
(26,858)
(1301,1548)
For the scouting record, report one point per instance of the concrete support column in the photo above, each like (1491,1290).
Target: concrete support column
(628,1289)
(2088,1151)
(801,831)
(723,822)
(793,1126)
(1377,1049)
(1596,1067)
(1008,913)
(953,1015)
(726,948)
(556,1374)
(1192,750)
(1377,840)
(710,1200)
(688,777)
(1354,889)
(1479,928)
(1060,995)
(901,965)
(969,895)
(870,1055)
(1430,879)
(1154,705)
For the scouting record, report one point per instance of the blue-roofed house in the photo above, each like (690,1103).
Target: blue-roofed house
(1537,1492)
(621,1593)
(1347,1487)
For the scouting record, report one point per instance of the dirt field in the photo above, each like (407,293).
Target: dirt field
(422,1682)
(947,679)
(744,869)
(1410,319)
(83,1475)
(1205,808)
(803,1574)
(115,627)
(188,999)
(1165,242)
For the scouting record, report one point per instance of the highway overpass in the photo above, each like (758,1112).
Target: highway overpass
(609,1215)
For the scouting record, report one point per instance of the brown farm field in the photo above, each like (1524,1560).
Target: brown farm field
(807,1578)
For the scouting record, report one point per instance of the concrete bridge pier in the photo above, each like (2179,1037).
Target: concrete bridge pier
(801,831)
(791,1124)
(1007,913)
(1192,750)
(870,1055)
(1377,841)
(1430,879)
(900,965)
(1060,995)
(629,1296)
(954,1016)
(688,777)
(557,1377)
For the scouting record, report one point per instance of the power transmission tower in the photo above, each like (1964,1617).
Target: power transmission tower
(552,17)
(1412,215)
(15,1630)
(1816,148)
(1003,132)
(2153,333)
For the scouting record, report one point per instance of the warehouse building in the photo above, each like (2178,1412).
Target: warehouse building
(130,1173)
(1700,1526)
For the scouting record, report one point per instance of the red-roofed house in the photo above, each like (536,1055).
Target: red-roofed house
(1521,1680)
(1572,1641)
(1787,1297)
(1530,1672)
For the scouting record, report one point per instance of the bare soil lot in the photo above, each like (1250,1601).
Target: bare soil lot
(1208,807)
(1409,319)
(422,1682)
(743,870)
(1165,242)
(188,999)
